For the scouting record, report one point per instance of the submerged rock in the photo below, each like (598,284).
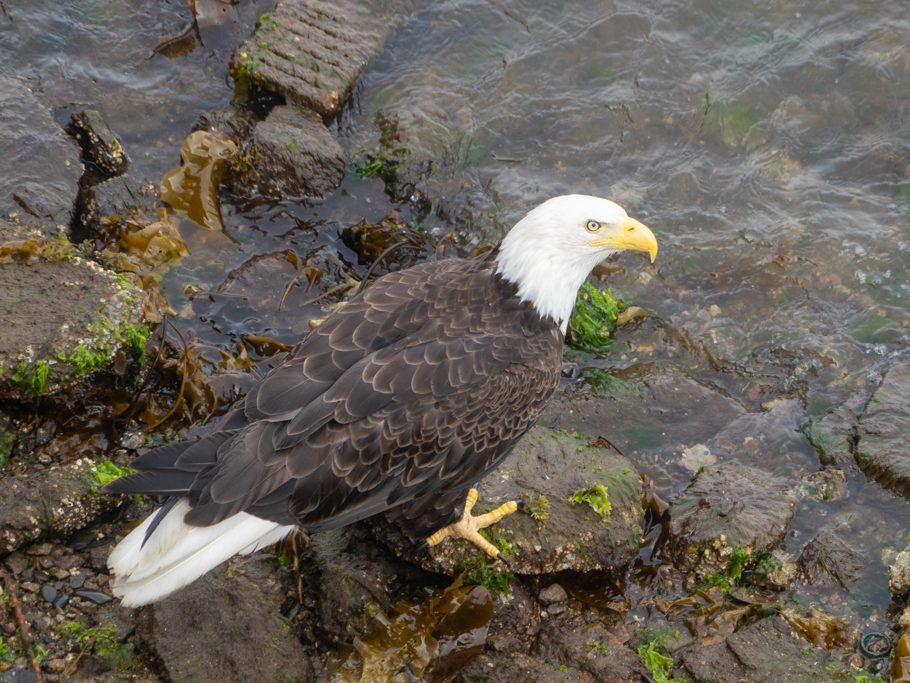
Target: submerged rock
(727,507)
(600,530)
(293,154)
(226,626)
(768,650)
(829,561)
(311,52)
(508,668)
(39,167)
(884,430)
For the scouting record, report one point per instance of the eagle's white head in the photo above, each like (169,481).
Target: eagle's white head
(550,252)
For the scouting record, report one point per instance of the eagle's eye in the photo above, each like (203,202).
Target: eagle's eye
(592,226)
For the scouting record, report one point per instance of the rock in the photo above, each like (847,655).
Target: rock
(17,675)
(48,592)
(293,154)
(64,317)
(828,560)
(515,622)
(16,563)
(40,169)
(554,593)
(884,430)
(899,574)
(509,668)
(828,484)
(312,52)
(224,627)
(56,501)
(725,507)
(550,466)
(125,195)
(776,571)
(100,145)
(262,293)
(584,641)
(767,650)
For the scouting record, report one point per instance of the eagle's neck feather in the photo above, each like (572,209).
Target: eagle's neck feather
(549,284)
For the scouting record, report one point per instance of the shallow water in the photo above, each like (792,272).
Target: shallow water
(768,148)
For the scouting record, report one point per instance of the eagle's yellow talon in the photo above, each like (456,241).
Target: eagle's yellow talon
(468,526)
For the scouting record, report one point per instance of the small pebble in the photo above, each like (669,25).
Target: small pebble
(94,596)
(39,549)
(554,593)
(48,592)
(77,581)
(59,573)
(60,602)
(16,562)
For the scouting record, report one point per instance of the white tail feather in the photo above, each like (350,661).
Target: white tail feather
(177,554)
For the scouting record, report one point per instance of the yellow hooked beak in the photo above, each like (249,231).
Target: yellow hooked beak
(629,234)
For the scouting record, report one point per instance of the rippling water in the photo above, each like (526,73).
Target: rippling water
(767,146)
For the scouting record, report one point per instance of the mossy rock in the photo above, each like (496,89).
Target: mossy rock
(551,534)
(64,317)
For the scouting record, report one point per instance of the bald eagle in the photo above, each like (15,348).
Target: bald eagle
(401,400)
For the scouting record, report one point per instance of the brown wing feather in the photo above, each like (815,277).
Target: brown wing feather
(413,390)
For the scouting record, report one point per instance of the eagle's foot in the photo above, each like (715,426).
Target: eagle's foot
(468,526)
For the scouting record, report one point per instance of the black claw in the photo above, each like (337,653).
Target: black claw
(421,545)
(502,558)
(521,504)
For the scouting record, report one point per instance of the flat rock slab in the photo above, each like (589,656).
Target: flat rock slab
(39,167)
(884,431)
(54,502)
(224,627)
(312,51)
(294,154)
(767,650)
(725,507)
(54,305)
(566,536)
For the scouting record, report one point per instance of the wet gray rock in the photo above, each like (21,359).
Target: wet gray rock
(39,167)
(884,431)
(63,315)
(100,145)
(899,574)
(828,560)
(51,502)
(312,51)
(515,622)
(293,154)
(832,434)
(551,465)
(224,627)
(767,650)
(125,195)
(509,668)
(726,507)
(584,641)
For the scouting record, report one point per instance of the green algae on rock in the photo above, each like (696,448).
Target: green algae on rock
(550,465)
(65,316)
